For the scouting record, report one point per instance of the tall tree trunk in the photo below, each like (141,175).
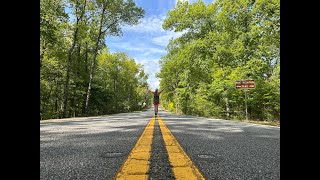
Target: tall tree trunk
(86,70)
(94,59)
(131,93)
(227,106)
(187,103)
(66,89)
(44,46)
(72,105)
(56,99)
(66,93)
(78,60)
(78,83)
(177,109)
(115,93)
(86,58)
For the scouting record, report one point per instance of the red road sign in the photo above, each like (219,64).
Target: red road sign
(245,84)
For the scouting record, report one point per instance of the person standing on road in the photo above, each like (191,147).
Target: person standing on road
(156,99)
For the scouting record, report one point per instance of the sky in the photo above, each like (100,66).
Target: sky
(146,41)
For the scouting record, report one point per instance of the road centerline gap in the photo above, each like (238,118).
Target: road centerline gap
(182,166)
(137,164)
(158,155)
(159,162)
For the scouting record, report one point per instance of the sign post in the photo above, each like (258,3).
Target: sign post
(245,84)
(245,99)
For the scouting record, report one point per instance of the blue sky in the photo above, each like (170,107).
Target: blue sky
(146,41)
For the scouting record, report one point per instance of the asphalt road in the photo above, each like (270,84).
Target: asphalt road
(96,147)
(88,148)
(223,149)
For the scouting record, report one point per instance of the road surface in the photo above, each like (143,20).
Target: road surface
(101,147)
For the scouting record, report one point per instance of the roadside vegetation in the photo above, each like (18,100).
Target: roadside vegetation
(223,42)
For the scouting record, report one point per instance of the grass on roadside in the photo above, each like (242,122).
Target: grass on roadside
(270,123)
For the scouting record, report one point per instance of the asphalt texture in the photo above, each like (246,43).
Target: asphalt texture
(228,150)
(88,148)
(96,147)
(159,167)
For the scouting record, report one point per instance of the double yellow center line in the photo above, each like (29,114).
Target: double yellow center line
(137,163)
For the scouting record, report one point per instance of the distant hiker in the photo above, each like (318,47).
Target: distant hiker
(156,99)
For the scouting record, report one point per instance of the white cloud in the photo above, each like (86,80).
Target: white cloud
(189,1)
(163,40)
(193,1)
(140,47)
(125,46)
(152,24)
(151,67)
(146,44)
(156,84)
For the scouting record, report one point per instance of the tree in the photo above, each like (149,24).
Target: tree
(69,49)
(113,15)
(51,16)
(79,13)
(223,42)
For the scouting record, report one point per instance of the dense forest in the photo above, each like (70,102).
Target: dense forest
(78,74)
(223,42)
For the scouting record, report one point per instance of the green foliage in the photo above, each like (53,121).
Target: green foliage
(223,42)
(119,83)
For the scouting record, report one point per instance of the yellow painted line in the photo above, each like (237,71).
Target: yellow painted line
(182,166)
(137,163)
